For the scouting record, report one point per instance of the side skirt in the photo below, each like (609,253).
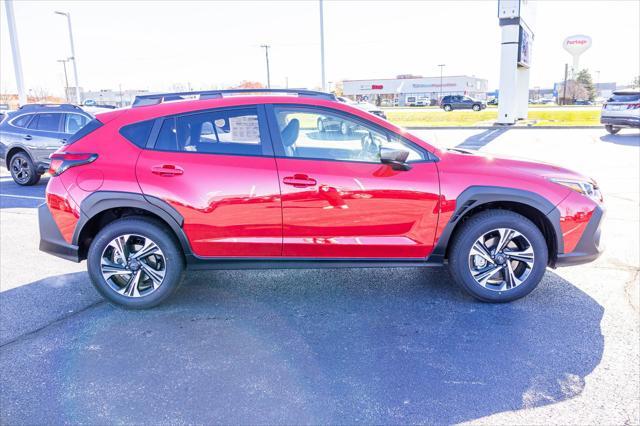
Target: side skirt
(200,263)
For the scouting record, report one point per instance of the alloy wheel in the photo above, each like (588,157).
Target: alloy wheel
(133,265)
(20,170)
(501,259)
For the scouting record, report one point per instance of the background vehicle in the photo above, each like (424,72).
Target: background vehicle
(451,102)
(583,102)
(621,110)
(493,101)
(30,134)
(228,181)
(417,101)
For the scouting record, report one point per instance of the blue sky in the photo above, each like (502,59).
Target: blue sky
(159,44)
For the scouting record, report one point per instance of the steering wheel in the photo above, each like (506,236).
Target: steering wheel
(370,148)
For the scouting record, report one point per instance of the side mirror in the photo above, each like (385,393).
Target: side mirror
(396,158)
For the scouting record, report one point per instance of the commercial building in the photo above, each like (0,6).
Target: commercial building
(110,97)
(406,91)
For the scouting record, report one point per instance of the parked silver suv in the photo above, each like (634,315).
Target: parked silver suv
(621,110)
(33,132)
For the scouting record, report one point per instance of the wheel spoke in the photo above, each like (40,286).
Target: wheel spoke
(131,289)
(110,269)
(148,249)
(510,278)
(155,275)
(120,246)
(483,276)
(525,256)
(506,235)
(481,250)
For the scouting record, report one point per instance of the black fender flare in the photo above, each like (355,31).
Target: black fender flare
(475,196)
(101,201)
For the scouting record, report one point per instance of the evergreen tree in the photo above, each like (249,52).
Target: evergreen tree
(584,78)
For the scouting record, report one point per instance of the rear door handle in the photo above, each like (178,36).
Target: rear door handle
(299,181)
(27,137)
(167,170)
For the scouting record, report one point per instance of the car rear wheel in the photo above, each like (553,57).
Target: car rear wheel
(23,171)
(498,256)
(476,107)
(447,108)
(612,130)
(135,263)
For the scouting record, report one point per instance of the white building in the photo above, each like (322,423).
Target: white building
(401,91)
(110,97)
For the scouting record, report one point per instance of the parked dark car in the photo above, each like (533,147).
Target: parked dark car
(345,127)
(493,101)
(451,102)
(33,132)
(622,109)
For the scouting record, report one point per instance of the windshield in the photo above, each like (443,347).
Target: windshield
(631,97)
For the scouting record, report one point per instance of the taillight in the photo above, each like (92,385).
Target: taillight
(61,161)
(633,106)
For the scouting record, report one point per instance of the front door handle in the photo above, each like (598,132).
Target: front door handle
(27,137)
(167,170)
(299,181)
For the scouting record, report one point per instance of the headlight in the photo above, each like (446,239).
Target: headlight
(590,189)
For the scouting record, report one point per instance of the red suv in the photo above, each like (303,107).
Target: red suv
(217,180)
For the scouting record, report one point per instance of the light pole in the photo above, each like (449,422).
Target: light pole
(15,50)
(266,53)
(324,88)
(441,67)
(66,79)
(73,54)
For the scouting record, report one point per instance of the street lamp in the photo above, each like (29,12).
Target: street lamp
(324,88)
(66,79)
(73,54)
(266,52)
(441,67)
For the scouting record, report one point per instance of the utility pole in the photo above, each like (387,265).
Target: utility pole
(66,79)
(564,87)
(73,55)
(15,51)
(266,52)
(324,85)
(441,67)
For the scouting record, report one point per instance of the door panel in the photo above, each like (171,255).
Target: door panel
(358,210)
(230,204)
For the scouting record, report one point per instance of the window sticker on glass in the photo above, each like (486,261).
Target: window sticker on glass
(243,129)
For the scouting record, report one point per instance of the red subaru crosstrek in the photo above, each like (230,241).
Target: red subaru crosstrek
(234,179)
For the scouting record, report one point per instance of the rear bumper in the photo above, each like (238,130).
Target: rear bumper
(51,240)
(621,121)
(589,247)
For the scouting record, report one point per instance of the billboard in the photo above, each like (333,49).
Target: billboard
(525,42)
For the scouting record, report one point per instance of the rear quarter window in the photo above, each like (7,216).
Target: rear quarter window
(22,120)
(625,98)
(84,131)
(138,133)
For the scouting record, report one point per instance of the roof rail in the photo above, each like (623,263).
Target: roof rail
(35,106)
(158,98)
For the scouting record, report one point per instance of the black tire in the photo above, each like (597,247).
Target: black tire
(447,108)
(612,130)
(476,107)
(148,228)
(344,129)
(22,169)
(474,228)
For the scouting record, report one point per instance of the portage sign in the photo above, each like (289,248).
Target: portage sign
(576,45)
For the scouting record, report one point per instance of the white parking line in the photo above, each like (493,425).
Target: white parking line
(22,196)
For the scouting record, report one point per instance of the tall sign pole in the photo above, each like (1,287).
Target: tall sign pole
(266,53)
(73,55)
(15,51)
(516,21)
(324,81)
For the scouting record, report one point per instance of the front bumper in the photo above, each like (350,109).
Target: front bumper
(51,240)
(589,247)
(620,121)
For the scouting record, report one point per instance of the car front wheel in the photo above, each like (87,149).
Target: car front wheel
(612,130)
(23,171)
(135,263)
(498,256)
(476,107)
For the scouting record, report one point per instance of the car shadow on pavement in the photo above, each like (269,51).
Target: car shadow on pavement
(481,140)
(296,346)
(627,139)
(13,195)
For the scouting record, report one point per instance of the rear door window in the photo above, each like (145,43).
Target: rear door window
(46,122)
(232,132)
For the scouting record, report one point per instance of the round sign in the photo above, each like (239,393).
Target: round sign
(577,44)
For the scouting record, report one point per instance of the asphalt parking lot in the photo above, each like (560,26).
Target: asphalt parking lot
(335,346)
